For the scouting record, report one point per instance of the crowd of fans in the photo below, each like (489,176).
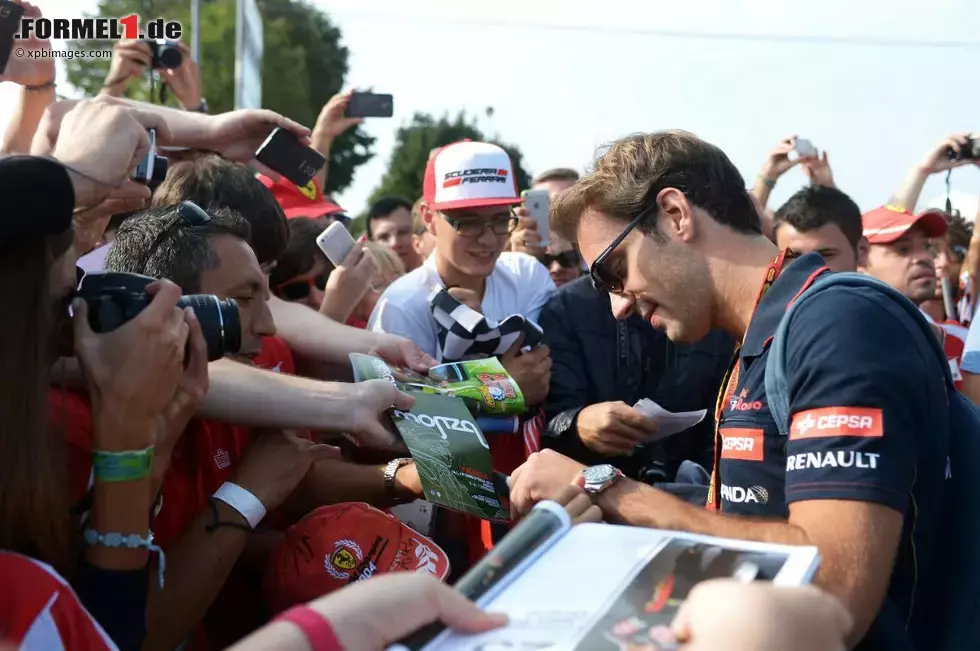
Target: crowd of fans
(155,475)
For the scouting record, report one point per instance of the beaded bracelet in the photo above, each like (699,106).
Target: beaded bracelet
(129,541)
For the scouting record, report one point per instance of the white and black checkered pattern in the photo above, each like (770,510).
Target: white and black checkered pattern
(464,333)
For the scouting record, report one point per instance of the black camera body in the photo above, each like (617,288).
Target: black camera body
(166,54)
(969,151)
(115,298)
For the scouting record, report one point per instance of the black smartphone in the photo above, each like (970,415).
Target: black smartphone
(10,15)
(283,153)
(370,105)
(152,170)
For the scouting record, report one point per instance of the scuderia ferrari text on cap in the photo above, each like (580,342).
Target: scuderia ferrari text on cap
(469,175)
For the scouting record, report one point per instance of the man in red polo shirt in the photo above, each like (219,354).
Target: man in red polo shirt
(902,253)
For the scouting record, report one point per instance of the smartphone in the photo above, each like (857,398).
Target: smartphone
(335,242)
(283,153)
(537,202)
(370,105)
(152,170)
(10,15)
(804,148)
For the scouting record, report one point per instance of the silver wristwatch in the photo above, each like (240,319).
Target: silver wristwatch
(390,471)
(599,478)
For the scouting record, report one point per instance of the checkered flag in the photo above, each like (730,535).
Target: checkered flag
(464,333)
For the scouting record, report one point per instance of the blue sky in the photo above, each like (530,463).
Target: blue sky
(874,83)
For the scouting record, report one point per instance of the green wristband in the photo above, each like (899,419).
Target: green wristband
(122,466)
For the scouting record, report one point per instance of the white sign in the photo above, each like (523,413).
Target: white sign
(248,55)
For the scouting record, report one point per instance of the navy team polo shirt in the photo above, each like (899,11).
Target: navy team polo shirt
(869,422)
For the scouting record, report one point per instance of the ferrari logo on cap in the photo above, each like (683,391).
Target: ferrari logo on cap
(309,190)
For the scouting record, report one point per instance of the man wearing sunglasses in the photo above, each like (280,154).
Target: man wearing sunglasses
(670,233)
(468,198)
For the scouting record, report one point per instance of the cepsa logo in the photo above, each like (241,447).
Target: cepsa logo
(475,175)
(99,29)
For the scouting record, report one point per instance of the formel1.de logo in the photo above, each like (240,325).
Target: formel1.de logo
(99,29)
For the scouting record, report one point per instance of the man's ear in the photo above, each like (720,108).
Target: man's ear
(862,253)
(676,216)
(428,218)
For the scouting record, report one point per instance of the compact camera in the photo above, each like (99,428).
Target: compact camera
(152,170)
(115,298)
(166,54)
(969,151)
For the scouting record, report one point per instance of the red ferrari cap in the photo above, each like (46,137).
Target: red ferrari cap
(342,543)
(469,174)
(305,201)
(888,223)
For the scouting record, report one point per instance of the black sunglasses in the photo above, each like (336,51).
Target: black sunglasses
(565,259)
(297,290)
(189,214)
(603,279)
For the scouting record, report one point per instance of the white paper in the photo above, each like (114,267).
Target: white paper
(670,423)
(554,603)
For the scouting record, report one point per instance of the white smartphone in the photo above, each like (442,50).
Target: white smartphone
(537,203)
(804,148)
(336,242)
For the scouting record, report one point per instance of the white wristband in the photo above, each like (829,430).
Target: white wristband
(242,501)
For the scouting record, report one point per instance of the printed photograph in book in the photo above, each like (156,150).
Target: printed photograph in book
(483,384)
(639,618)
(452,456)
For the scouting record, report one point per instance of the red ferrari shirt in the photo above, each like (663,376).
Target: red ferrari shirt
(39,611)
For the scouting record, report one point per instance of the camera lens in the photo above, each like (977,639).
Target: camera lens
(168,55)
(220,323)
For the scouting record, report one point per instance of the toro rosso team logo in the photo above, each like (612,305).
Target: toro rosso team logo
(475,175)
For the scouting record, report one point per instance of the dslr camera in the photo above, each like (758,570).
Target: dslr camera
(166,54)
(115,298)
(969,151)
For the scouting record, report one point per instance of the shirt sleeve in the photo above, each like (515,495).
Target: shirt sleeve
(859,395)
(392,318)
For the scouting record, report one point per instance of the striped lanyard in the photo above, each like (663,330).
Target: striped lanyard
(731,380)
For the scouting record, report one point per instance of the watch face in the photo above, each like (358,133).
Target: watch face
(599,474)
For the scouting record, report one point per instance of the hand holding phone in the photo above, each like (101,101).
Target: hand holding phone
(537,204)
(283,153)
(336,243)
(370,105)
(804,148)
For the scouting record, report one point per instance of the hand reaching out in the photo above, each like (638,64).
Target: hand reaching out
(778,162)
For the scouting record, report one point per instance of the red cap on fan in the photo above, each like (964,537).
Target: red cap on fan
(342,543)
(305,201)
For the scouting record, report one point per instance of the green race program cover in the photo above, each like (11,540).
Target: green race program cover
(452,456)
(483,384)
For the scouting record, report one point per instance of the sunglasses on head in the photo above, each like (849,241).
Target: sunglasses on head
(297,290)
(603,279)
(565,259)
